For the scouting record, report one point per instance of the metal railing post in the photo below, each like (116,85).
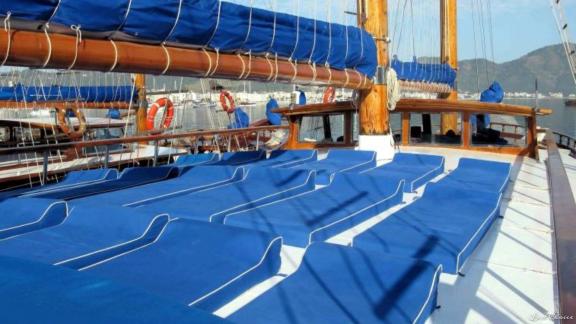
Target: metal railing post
(156,148)
(45,168)
(107,157)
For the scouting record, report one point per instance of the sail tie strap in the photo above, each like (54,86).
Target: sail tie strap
(8,29)
(168,60)
(115,56)
(78,31)
(49,56)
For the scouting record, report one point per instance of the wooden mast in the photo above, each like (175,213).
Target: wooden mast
(374,102)
(142,111)
(449,55)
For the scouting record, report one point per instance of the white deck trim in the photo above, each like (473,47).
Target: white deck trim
(242,274)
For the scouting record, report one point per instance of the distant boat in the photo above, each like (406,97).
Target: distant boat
(570,103)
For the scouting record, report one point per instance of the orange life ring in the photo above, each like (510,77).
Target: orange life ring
(68,129)
(225,98)
(329,95)
(168,114)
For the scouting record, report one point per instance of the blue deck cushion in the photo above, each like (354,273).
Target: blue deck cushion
(287,158)
(87,236)
(37,293)
(129,178)
(240,158)
(415,169)
(320,214)
(191,180)
(443,227)
(192,262)
(196,159)
(74,178)
(261,186)
(336,284)
(480,175)
(340,161)
(22,215)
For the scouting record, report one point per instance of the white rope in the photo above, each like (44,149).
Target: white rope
(47,60)
(276,60)
(249,25)
(7,28)
(54,12)
(209,62)
(249,65)
(394,94)
(271,67)
(168,60)
(217,62)
(243,66)
(217,23)
(175,22)
(78,31)
(295,67)
(115,56)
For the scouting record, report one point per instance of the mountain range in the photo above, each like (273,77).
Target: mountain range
(548,64)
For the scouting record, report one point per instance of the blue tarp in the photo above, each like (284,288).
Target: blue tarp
(339,161)
(318,215)
(61,295)
(337,284)
(494,94)
(415,169)
(260,186)
(65,93)
(192,262)
(87,236)
(446,225)
(273,118)
(240,119)
(215,24)
(424,72)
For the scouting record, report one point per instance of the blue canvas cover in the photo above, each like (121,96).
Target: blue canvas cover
(23,215)
(494,93)
(240,119)
(191,180)
(273,118)
(240,158)
(196,159)
(323,213)
(443,227)
(339,161)
(35,10)
(337,284)
(63,93)
(286,158)
(73,178)
(87,236)
(261,186)
(220,25)
(415,169)
(31,292)
(131,177)
(424,72)
(481,175)
(192,262)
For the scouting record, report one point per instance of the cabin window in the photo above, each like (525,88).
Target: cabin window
(501,130)
(25,134)
(4,134)
(427,129)
(325,129)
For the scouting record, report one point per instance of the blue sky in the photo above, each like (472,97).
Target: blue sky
(520,26)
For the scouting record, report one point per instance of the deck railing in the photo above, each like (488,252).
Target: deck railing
(258,133)
(564,216)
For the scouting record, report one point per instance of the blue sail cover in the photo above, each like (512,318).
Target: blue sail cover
(219,25)
(424,72)
(57,93)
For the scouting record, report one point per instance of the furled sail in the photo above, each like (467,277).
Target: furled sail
(421,72)
(217,25)
(62,93)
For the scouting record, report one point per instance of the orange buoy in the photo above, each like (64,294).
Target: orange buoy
(168,114)
(329,95)
(227,102)
(69,130)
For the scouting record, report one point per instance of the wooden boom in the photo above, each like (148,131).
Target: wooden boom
(58,51)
